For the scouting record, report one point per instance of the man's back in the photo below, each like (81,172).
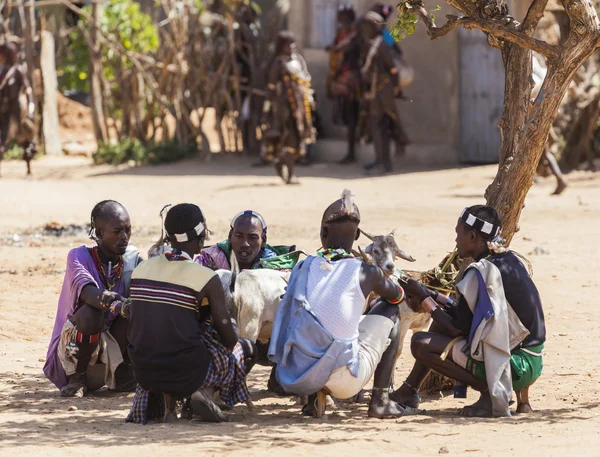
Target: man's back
(165,343)
(335,295)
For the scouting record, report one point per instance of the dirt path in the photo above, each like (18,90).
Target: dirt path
(558,236)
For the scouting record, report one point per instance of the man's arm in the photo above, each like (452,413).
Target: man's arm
(442,319)
(213,291)
(98,298)
(372,279)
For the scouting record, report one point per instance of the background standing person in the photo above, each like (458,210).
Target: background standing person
(16,106)
(343,81)
(381,86)
(288,121)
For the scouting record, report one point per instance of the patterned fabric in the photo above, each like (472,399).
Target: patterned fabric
(146,406)
(332,255)
(226,369)
(216,257)
(225,373)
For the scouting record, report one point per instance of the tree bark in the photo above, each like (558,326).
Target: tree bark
(522,147)
(524,128)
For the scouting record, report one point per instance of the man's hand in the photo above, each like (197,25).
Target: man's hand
(415,288)
(108,298)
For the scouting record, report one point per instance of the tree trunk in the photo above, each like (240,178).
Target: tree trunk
(524,136)
(94,68)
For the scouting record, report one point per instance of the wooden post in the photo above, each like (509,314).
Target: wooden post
(94,68)
(30,31)
(52,143)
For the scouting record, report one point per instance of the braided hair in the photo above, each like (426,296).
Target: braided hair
(98,212)
(183,219)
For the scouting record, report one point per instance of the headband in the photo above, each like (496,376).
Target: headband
(479,224)
(250,213)
(373,16)
(190,234)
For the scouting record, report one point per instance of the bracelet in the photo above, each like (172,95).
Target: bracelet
(399,298)
(433,308)
(125,308)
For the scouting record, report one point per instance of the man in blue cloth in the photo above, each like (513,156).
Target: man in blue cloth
(321,342)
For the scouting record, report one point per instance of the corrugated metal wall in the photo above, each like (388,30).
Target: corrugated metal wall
(481,98)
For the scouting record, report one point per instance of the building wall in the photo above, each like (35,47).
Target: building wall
(431,112)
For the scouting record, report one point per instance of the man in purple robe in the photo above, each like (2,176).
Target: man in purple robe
(90,331)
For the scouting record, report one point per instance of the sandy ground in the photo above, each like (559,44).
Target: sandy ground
(558,235)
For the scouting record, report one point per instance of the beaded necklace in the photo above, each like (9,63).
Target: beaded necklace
(331,254)
(112,277)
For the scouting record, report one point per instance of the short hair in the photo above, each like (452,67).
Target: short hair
(284,37)
(487,214)
(10,53)
(100,211)
(348,12)
(184,218)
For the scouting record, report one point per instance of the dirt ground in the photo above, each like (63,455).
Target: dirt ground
(558,235)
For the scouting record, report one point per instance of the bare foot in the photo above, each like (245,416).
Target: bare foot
(481,408)
(77,386)
(524,408)
(560,188)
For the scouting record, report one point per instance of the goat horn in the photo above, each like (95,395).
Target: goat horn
(371,237)
(403,255)
(393,232)
(364,256)
(356,253)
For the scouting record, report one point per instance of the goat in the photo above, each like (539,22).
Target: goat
(252,297)
(382,252)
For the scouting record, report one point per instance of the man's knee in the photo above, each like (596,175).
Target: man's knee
(89,320)
(418,345)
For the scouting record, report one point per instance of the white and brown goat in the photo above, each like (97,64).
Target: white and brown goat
(383,251)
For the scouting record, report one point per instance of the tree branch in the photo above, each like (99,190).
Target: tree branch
(495,29)
(533,16)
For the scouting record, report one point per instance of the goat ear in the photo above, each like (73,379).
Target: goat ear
(399,253)
(369,249)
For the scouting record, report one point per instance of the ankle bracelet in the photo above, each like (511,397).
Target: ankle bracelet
(416,391)
(381,389)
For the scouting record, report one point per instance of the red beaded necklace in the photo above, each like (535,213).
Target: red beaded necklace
(112,277)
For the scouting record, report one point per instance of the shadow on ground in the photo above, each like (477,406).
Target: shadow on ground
(230,165)
(99,421)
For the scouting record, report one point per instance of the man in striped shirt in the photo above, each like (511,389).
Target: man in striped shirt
(182,340)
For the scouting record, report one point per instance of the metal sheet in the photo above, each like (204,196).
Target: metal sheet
(481,96)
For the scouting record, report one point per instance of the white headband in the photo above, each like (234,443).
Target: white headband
(183,237)
(479,224)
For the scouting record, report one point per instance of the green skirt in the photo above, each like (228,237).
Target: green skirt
(526,366)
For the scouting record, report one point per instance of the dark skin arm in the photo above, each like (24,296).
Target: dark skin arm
(98,298)
(372,279)
(443,321)
(213,291)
